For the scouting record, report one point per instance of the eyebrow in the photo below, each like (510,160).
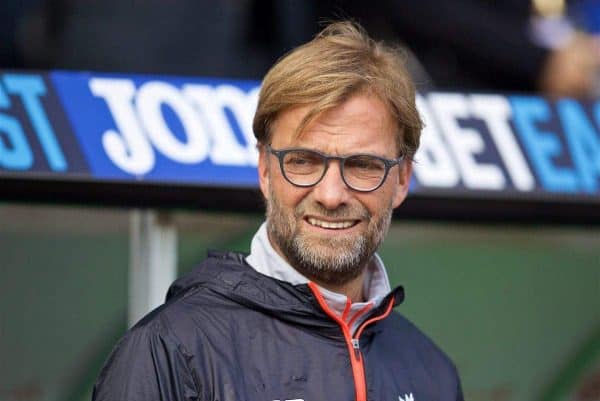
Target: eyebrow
(339,155)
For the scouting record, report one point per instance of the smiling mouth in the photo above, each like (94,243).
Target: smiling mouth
(332,225)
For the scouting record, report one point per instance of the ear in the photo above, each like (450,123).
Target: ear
(405,173)
(263,170)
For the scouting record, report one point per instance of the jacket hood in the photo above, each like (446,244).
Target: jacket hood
(229,275)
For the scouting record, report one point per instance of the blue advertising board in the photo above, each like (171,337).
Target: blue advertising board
(160,130)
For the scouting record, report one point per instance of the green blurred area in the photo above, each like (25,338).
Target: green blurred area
(517,308)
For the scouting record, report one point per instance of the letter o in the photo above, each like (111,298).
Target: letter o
(150,97)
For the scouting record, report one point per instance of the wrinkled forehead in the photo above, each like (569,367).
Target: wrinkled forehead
(361,125)
(295,123)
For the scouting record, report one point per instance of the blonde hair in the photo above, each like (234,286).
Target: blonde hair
(341,61)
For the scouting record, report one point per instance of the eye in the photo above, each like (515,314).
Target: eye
(296,160)
(302,161)
(365,163)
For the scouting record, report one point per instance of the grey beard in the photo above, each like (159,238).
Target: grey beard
(330,268)
(336,269)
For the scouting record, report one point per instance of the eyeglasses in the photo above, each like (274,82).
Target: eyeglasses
(361,172)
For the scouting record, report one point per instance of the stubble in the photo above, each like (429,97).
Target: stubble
(328,259)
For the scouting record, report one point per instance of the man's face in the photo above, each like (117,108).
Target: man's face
(329,231)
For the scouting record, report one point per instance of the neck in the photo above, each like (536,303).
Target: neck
(352,289)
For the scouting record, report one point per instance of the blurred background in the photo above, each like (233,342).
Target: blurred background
(516,306)
(510,45)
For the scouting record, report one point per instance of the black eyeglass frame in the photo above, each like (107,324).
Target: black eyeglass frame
(281,153)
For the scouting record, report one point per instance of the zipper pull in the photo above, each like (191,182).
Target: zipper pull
(356,346)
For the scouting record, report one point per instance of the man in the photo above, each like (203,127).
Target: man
(308,314)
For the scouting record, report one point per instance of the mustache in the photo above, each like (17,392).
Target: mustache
(343,212)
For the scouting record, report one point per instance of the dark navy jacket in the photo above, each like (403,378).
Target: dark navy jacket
(229,333)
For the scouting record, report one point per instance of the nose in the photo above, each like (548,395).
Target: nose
(331,191)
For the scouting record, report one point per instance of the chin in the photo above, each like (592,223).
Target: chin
(331,260)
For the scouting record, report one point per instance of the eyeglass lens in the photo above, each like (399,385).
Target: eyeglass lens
(361,172)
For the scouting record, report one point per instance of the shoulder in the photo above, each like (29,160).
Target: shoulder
(404,348)
(215,292)
(141,361)
(404,336)
(161,345)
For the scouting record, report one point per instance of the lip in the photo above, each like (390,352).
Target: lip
(330,225)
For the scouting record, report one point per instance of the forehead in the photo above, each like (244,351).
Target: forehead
(361,123)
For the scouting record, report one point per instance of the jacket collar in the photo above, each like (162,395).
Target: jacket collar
(227,274)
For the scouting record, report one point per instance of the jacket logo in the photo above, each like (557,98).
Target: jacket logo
(407,397)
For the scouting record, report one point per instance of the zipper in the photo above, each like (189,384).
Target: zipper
(356,346)
(353,343)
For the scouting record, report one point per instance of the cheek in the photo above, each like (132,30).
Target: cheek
(287,195)
(379,201)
